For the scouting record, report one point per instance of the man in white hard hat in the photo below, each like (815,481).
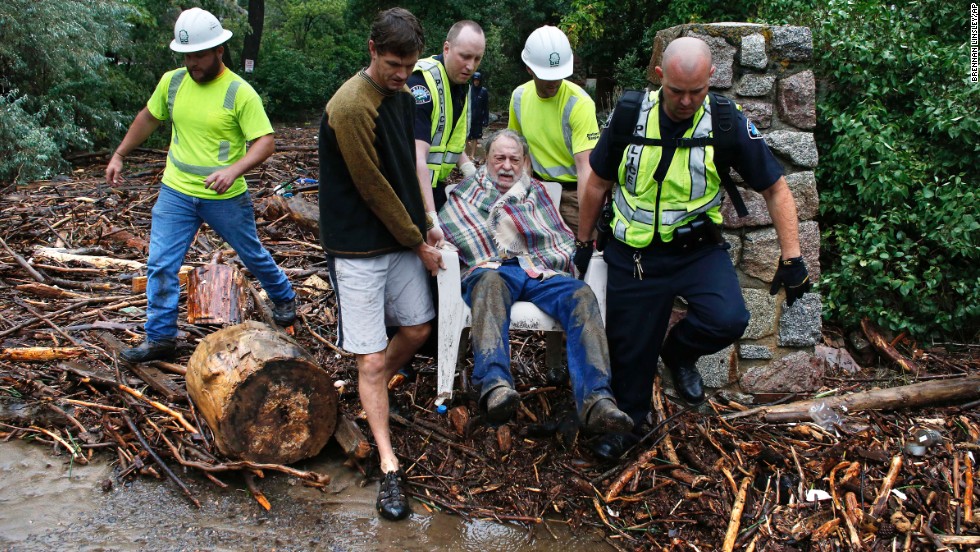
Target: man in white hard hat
(443,113)
(556,117)
(214,113)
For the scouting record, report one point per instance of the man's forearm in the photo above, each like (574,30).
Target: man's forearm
(590,203)
(142,127)
(782,210)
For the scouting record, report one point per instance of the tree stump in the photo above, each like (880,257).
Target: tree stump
(215,294)
(264,397)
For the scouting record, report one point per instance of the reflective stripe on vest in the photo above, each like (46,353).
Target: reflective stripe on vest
(690,187)
(224,146)
(551,173)
(446,147)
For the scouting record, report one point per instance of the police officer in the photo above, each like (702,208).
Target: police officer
(667,241)
(443,114)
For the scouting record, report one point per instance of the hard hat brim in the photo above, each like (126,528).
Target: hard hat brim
(191,48)
(560,72)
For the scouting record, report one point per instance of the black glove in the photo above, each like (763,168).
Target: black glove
(792,274)
(583,253)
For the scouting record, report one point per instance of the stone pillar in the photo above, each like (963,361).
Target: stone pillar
(766,70)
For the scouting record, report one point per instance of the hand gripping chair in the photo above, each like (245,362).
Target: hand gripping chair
(454,314)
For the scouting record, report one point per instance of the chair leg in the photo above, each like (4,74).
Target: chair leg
(557,371)
(450,337)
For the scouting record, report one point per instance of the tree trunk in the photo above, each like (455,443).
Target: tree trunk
(253,39)
(264,397)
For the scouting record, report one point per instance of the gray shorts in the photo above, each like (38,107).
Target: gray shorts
(373,293)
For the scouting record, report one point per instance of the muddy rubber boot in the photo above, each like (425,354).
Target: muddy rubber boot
(284,313)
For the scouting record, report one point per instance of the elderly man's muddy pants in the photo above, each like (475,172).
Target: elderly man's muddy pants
(490,294)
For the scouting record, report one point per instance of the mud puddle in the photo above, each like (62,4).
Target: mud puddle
(45,504)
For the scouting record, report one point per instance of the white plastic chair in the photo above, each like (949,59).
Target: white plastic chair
(455,316)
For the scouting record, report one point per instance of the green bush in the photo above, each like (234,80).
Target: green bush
(899,135)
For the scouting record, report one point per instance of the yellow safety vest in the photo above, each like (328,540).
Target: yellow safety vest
(692,186)
(446,146)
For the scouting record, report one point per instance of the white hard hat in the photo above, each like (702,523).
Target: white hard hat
(197,30)
(548,53)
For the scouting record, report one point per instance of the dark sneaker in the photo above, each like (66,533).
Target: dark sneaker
(687,383)
(284,313)
(392,502)
(605,417)
(611,446)
(150,350)
(501,404)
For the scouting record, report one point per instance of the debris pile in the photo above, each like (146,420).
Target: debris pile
(726,477)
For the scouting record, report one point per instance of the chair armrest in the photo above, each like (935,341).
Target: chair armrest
(595,277)
(448,282)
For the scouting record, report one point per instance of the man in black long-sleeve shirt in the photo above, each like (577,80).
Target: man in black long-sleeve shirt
(372,224)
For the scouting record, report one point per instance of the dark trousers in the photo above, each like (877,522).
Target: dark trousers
(638,312)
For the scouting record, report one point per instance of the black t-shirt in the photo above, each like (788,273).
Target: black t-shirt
(423,103)
(751,158)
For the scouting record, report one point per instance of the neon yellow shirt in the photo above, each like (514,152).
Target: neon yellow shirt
(211,123)
(555,128)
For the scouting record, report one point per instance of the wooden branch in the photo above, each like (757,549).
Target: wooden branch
(61,255)
(159,461)
(736,520)
(162,408)
(39,354)
(886,487)
(886,348)
(907,396)
(351,438)
(23,263)
(51,292)
(968,493)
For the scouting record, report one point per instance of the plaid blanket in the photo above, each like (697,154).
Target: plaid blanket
(489,227)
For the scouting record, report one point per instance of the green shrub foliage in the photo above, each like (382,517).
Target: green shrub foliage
(899,134)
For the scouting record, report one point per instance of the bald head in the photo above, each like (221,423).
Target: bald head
(684,71)
(686,55)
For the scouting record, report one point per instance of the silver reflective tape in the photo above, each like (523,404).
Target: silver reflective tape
(175,81)
(192,169)
(230,95)
(224,147)
(566,122)
(517,104)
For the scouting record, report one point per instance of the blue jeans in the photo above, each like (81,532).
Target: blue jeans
(176,219)
(490,294)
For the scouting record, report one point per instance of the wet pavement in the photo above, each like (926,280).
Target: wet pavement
(46,504)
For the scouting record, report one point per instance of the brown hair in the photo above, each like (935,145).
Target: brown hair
(397,31)
(458,28)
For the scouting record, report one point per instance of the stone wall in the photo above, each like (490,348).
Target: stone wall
(766,69)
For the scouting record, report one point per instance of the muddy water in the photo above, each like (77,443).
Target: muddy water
(47,505)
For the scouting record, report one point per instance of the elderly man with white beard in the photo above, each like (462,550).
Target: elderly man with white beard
(514,246)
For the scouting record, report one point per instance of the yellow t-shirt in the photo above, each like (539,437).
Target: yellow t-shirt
(555,128)
(211,123)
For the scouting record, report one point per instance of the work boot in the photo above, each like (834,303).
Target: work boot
(284,313)
(611,446)
(501,404)
(150,350)
(687,382)
(392,503)
(605,417)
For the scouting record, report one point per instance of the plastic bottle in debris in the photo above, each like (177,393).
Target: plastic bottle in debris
(825,416)
(303,181)
(285,190)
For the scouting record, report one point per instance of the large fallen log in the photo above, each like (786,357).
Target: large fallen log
(931,392)
(263,396)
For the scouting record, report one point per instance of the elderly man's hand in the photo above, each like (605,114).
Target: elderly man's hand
(583,254)
(791,273)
